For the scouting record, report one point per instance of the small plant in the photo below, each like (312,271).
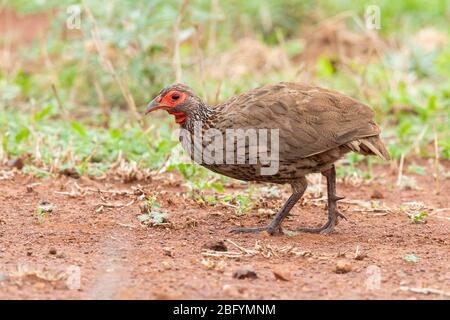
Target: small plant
(40,214)
(150,213)
(153,218)
(411,258)
(414,168)
(43,210)
(151,203)
(419,217)
(241,203)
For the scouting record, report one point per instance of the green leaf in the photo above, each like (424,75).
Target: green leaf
(324,67)
(414,168)
(40,115)
(218,187)
(23,134)
(419,217)
(78,128)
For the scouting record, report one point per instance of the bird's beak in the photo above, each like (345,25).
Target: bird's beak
(154,105)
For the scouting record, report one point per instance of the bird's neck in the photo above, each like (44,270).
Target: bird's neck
(200,117)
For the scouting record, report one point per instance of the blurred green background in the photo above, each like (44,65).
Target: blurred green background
(73,98)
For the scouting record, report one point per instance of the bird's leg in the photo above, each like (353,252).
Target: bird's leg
(333,212)
(275,225)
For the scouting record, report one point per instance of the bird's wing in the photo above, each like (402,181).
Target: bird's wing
(310,120)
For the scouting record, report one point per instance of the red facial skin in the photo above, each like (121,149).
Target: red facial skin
(170,100)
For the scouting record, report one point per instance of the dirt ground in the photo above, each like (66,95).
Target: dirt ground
(378,253)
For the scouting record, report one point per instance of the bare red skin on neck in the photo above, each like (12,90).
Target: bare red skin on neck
(180,117)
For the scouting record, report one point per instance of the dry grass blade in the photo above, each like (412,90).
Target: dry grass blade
(107,64)
(116,205)
(126,225)
(227,254)
(426,291)
(242,249)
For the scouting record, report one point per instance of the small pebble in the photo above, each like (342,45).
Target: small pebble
(377,194)
(245,273)
(343,266)
(215,246)
(167,251)
(231,290)
(15,163)
(52,251)
(70,172)
(166,265)
(281,274)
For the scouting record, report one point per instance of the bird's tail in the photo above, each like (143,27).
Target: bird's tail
(370,146)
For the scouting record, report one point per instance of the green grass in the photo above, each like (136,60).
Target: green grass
(68,129)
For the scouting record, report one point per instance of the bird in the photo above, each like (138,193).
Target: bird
(314,126)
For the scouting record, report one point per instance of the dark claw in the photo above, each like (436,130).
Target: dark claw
(336,198)
(341,215)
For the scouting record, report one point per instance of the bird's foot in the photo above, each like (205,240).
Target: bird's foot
(327,228)
(269,229)
(341,215)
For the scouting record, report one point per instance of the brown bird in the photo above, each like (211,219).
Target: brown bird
(315,127)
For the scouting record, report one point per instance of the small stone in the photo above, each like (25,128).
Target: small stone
(245,273)
(70,172)
(235,291)
(52,251)
(215,246)
(343,266)
(281,274)
(167,251)
(230,290)
(39,285)
(166,265)
(15,163)
(306,289)
(377,194)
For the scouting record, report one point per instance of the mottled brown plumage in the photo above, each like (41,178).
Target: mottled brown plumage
(316,127)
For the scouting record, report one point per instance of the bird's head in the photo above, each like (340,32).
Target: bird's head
(178,100)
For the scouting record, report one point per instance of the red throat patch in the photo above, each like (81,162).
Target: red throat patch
(180,117)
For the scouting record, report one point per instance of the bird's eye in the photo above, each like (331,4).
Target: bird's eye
(175,96)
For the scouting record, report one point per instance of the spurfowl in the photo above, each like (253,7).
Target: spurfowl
(313,127)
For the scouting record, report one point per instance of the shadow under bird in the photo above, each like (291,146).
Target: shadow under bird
(316,127)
